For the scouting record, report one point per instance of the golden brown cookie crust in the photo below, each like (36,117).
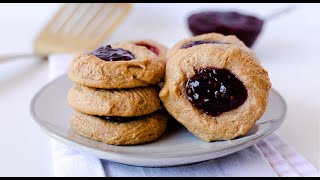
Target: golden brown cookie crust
(160,47)
(229,124)
(147,129)
(92,71)
(231,39)
(102,102)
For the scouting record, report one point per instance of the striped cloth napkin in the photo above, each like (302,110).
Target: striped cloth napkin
(272,156)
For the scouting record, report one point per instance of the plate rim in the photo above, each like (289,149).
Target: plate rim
(115,156)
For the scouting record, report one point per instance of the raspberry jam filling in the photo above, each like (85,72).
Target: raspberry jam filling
(108,53)
(195,43)
(151,48)
(119,119)
(214,91)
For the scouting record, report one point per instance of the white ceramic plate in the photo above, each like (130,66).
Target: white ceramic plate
(177,146)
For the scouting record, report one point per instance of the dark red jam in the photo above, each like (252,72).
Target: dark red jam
(108,53)
(246,27)
(119,119)
(195,43)
(214,91)
(151,48)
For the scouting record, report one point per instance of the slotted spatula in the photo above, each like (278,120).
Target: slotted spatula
(77,27)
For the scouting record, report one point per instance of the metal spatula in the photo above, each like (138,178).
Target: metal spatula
(77,27)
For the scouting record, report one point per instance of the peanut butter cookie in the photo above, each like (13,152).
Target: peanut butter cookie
(210,38)
(154,46)
(123,65)
(111,130)
(102,102)
(217,91)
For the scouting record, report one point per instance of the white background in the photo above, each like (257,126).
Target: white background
(288,48)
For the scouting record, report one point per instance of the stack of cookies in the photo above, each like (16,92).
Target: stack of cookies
(115,93)
(214,85)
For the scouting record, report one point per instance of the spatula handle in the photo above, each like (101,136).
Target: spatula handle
(10,57)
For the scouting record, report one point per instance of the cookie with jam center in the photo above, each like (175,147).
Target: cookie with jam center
(157,48)
(123,65)
(119,130)
(217,92)
(129,102)
(210,38)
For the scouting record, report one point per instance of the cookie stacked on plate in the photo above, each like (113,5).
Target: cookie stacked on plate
(115,93)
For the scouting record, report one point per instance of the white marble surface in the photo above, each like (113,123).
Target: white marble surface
(287,48)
